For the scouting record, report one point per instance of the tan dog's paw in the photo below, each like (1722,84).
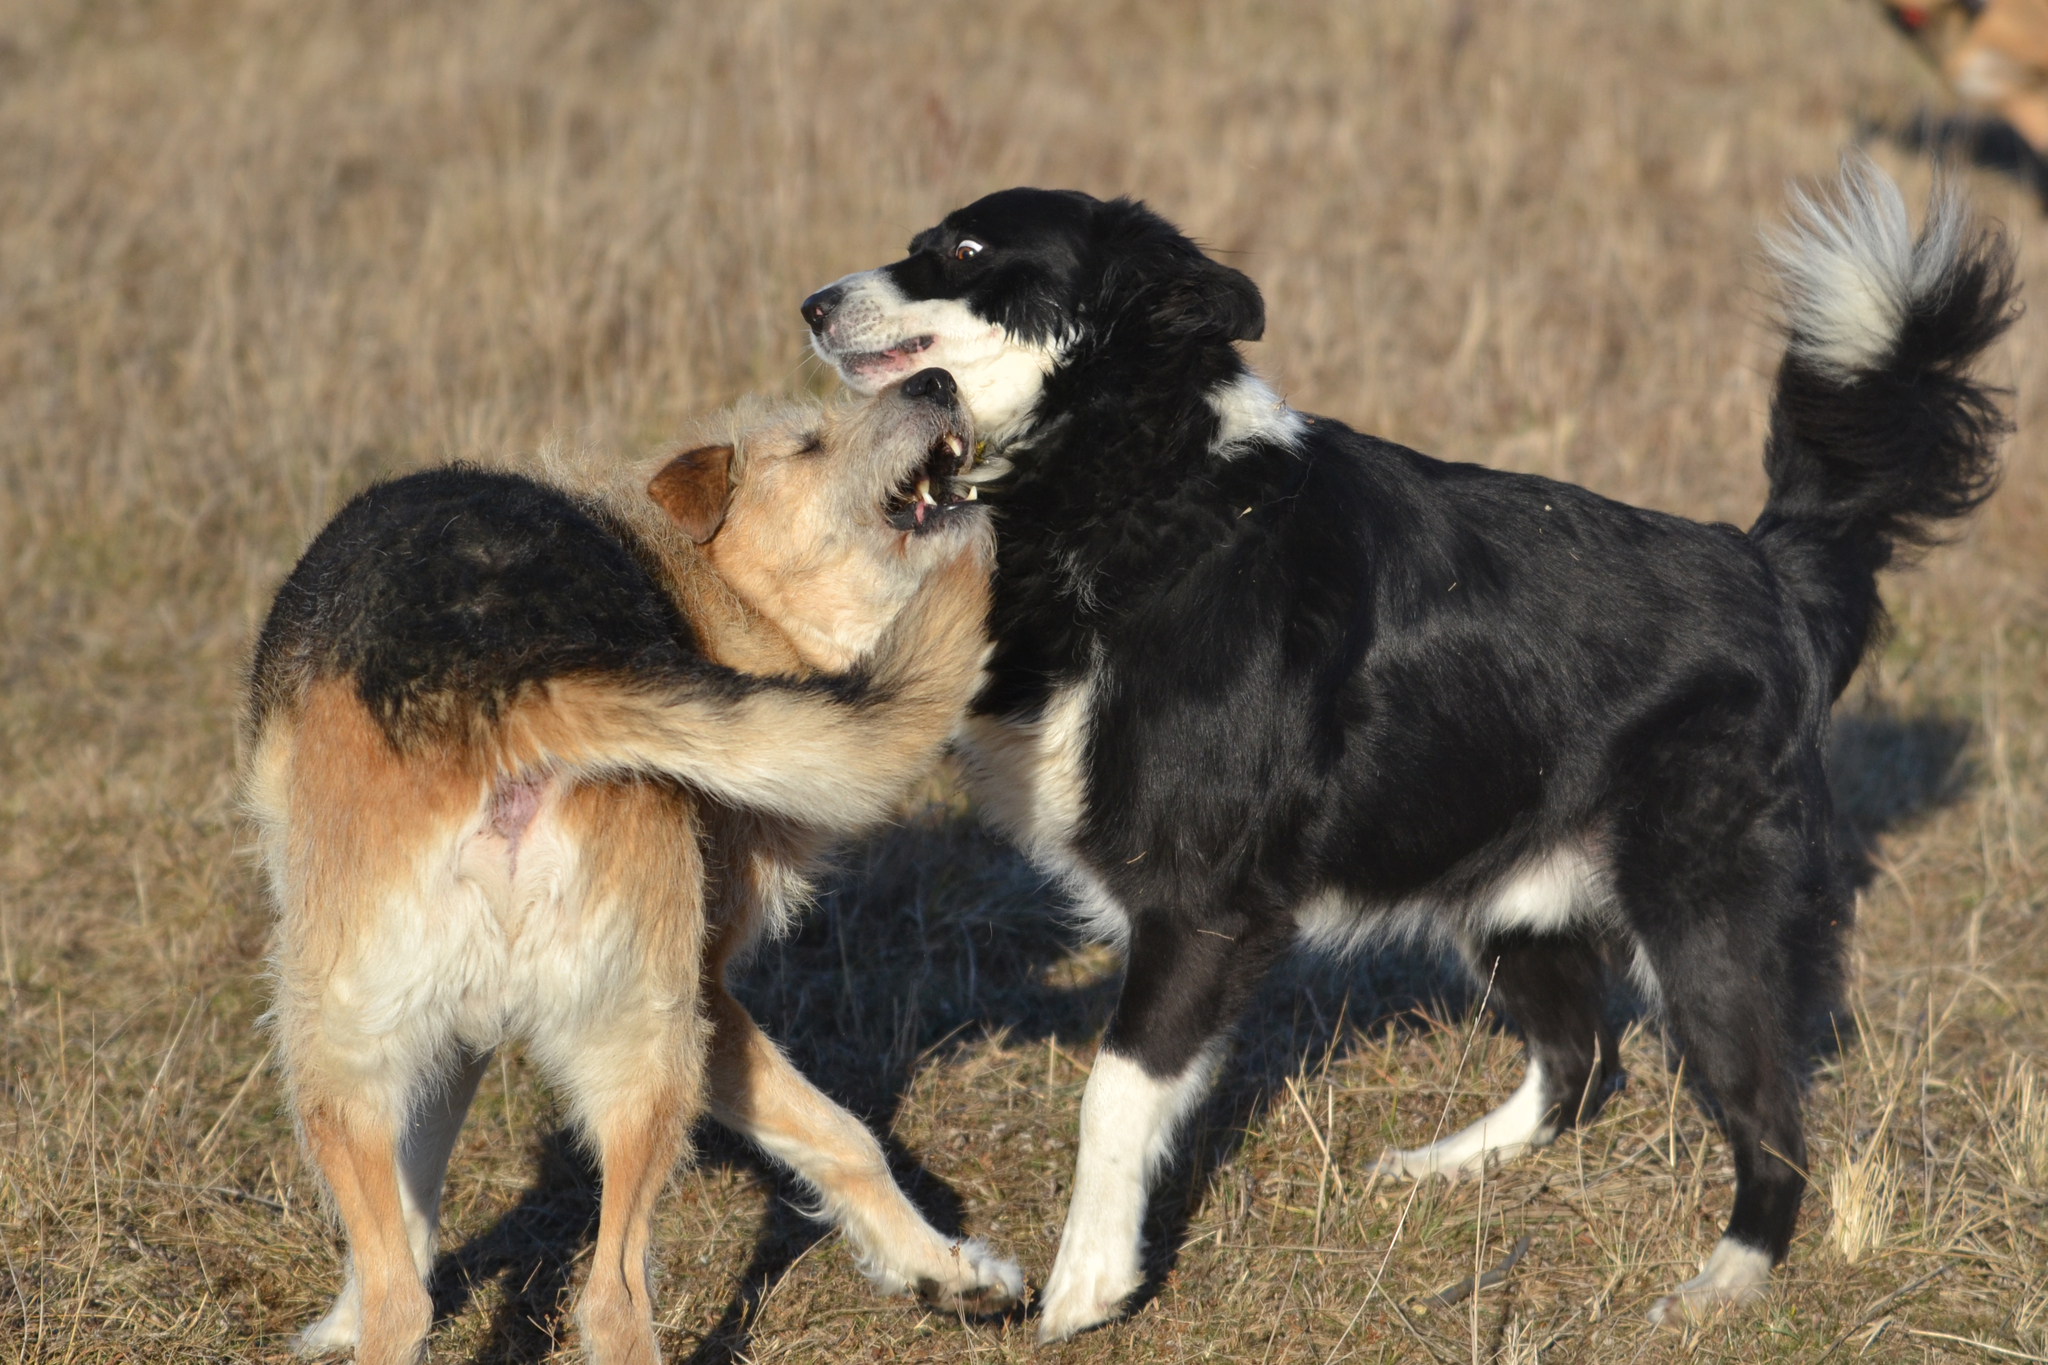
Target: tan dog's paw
(982,1283)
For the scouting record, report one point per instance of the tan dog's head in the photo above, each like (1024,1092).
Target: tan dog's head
(1936,27)
(826,520)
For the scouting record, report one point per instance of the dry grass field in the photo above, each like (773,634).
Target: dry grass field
(255,253)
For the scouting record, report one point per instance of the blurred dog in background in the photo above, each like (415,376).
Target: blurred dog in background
(1994,55)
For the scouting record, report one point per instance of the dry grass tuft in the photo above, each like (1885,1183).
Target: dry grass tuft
(1519,1345)
(2019,1126)
(255,253)
(2030,1319)
(1863,1192)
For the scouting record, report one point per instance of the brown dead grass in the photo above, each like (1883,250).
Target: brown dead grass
(253,253)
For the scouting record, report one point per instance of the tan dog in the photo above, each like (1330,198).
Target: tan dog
(1993,53)
(534,760)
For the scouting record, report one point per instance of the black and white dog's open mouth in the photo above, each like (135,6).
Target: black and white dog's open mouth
(864,361)
(935,489)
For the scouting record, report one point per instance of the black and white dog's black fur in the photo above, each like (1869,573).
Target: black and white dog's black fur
(1262,680)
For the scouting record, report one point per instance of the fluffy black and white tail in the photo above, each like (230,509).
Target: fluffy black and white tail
(1878,432)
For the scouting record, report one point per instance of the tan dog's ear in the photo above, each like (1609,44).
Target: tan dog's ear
(693,489)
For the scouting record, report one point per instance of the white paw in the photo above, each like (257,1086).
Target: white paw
(1516,1127)
(1086,1290)
(1419,1163)
(976,1281)
(338,1331)
(1733,1277)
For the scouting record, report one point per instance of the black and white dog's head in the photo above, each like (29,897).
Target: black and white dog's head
(1007,289)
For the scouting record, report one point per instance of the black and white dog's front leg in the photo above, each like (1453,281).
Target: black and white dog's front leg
(1185,983)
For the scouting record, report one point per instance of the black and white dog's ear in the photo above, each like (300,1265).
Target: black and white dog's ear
(1150,267)
(1211,301)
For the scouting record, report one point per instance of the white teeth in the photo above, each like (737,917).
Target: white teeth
(924,492)
(986,471)
(954,445)
(973,494)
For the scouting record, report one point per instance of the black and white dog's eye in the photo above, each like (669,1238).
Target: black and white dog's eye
(968,247)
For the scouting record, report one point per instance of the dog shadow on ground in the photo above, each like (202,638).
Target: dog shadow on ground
(1889,769)
(937,935)
(1966,139)
(531,1250)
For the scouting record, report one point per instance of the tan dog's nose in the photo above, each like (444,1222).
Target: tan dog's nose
(934,384)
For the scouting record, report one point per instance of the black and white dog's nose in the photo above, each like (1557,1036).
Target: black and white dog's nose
(934,384)
(817,309)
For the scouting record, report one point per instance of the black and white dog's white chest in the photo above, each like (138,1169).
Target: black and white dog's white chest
(1030,778)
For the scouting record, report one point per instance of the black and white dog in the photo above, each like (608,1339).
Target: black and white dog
(1262,680)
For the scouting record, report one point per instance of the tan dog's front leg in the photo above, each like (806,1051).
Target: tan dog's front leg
(757,1093)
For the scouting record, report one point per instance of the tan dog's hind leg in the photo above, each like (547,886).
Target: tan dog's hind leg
(365,922)
(757,1093)
(639,1146)
(422,1168)
(356,1154)
(622,1033)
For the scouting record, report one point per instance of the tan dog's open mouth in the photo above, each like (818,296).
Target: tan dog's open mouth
(934,492)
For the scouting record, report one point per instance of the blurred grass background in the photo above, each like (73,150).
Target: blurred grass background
(254,254)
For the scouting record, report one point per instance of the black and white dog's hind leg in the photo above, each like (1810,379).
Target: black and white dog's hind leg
(1724,946)
(1187,983)
(1552,987)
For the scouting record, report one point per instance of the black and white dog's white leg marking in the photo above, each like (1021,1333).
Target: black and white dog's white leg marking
(1128,1122)
(1187,981)
(1544,972)
(1551,987)
(1521,1124)
(1737,1273)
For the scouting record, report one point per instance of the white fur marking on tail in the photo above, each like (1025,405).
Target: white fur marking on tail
(1851,269)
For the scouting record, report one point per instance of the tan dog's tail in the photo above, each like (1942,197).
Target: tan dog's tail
(835,752)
